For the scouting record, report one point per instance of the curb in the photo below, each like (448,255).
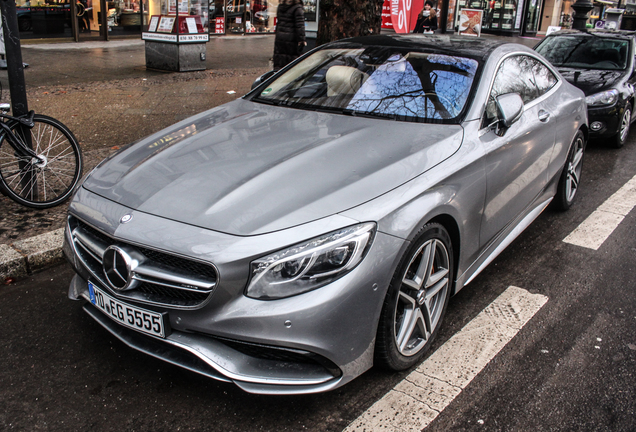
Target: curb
(32,254)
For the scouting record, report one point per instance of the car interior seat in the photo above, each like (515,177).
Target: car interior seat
(344,80)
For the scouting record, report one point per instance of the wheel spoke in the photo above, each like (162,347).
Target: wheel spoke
(420,274)
(407,339)
(578,157)
(433,291)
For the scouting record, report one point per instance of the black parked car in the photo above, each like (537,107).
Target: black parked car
(601,63)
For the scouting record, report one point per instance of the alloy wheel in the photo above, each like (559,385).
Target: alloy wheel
(422,297)
(575,165)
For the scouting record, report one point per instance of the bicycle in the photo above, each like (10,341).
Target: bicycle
(40,159)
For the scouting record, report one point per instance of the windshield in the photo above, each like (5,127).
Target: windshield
(585,52)
(383,82)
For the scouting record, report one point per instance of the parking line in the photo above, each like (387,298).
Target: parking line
(594,230)
(422,395)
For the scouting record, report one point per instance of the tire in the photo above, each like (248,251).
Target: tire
(416,300)
(624,124)
(571,175)
(55,178)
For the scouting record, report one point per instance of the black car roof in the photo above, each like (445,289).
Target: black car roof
(621,34)
(470,47)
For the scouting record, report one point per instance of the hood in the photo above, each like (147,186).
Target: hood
(592,81)
(246,168)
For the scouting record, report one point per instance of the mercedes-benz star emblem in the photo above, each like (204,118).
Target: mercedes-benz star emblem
(125,218)
(117,268)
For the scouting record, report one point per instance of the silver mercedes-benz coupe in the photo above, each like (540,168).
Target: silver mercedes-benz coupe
(291,239)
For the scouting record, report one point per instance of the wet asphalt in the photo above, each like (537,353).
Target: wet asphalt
(571,368)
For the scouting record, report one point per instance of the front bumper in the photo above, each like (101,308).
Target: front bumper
(608,118)
(308,343)
(214,358)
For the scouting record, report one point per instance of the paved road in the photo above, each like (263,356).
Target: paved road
(571,367)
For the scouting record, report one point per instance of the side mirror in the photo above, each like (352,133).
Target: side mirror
(262,78)
(510,108)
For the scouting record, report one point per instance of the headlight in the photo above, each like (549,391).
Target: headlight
(311,264)
(608,97)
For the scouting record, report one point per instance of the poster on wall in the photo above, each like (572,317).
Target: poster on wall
(470,22)
(183,7)
(404,14)
(172,7)
(166,24)
(154,21)
(219,26)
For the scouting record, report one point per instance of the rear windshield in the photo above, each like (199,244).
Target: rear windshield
(586,52)
(378,82)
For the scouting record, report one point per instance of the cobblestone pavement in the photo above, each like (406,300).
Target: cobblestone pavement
(105,116)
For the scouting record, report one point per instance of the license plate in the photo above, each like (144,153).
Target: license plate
(142,320)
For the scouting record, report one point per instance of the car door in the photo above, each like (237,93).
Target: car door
(517,158)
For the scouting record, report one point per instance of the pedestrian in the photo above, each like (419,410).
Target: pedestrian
(427,19)
(290,32)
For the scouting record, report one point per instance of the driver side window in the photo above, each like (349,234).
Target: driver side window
(515,75)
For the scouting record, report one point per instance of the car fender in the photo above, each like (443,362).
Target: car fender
(454,190)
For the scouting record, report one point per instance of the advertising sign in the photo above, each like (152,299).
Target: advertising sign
(166,24)
(219,26)
(404,14)
(470,22)
(386,15)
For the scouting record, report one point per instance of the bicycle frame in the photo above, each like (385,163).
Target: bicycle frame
(22,148)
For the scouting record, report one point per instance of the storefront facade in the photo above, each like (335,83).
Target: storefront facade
(54,19)
(253,16)
(502,17)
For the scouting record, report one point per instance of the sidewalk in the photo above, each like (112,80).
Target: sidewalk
(104,94)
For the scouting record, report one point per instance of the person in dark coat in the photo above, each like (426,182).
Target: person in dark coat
(427,19)
(290,32)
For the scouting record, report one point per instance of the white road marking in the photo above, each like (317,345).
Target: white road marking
(422,395)
(594,230)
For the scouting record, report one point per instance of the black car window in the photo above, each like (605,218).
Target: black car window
(516,74)
(586,52)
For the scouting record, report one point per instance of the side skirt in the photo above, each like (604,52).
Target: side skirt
(498,246)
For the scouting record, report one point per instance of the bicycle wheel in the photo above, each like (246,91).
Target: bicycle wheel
(48,181)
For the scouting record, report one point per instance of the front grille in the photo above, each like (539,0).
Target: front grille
(159,278)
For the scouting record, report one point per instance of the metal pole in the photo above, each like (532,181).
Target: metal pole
(74,22)
(17,85)
(581,9)
(103,19)
(444,16)
(15,68)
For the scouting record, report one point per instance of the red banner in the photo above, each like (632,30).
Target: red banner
(404,14)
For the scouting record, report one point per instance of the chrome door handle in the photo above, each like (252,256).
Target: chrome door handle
(544,115)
